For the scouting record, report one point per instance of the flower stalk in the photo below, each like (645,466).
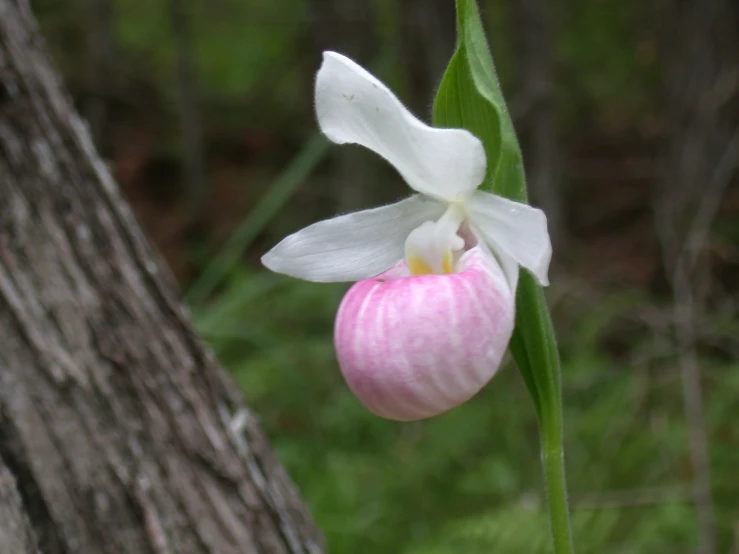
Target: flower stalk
(552,454)
(470,97)
(450,277)
(432,310)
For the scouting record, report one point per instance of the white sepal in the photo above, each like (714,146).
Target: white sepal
(513,230)
(353,106)
(509,266)
(353,246)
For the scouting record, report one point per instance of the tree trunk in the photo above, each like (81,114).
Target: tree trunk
(119,433)
(16,536)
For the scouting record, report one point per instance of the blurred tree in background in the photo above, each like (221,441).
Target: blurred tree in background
(628,115)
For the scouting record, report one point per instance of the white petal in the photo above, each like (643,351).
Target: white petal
(432,246)
(355,107)
(353,246)
(513,229)
(507,263)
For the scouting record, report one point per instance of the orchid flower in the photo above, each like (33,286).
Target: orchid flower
(427,323)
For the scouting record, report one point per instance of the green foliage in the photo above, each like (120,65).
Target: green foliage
(235,43)
(518,528)
(264,211)
(469,481)
(470,97)
(605,50)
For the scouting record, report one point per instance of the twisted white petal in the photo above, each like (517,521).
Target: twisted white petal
(513,229)
(353,246)
(431,247)
(355,107)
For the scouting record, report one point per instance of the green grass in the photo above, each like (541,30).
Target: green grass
(469,481)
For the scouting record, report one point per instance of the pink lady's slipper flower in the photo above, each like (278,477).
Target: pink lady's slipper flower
(428,321)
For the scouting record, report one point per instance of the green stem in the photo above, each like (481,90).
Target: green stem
(552,452)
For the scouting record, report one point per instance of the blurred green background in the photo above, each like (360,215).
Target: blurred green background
(627,112)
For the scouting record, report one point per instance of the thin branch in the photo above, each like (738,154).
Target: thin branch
(702,222)
(702,161)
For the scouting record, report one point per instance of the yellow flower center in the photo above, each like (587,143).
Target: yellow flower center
(429,249)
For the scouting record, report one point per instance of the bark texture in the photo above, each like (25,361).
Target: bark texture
(118,431)
(16,535)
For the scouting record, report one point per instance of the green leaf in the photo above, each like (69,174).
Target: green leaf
(470,97)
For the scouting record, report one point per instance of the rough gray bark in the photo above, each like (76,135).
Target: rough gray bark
(118,432)
(16,535)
